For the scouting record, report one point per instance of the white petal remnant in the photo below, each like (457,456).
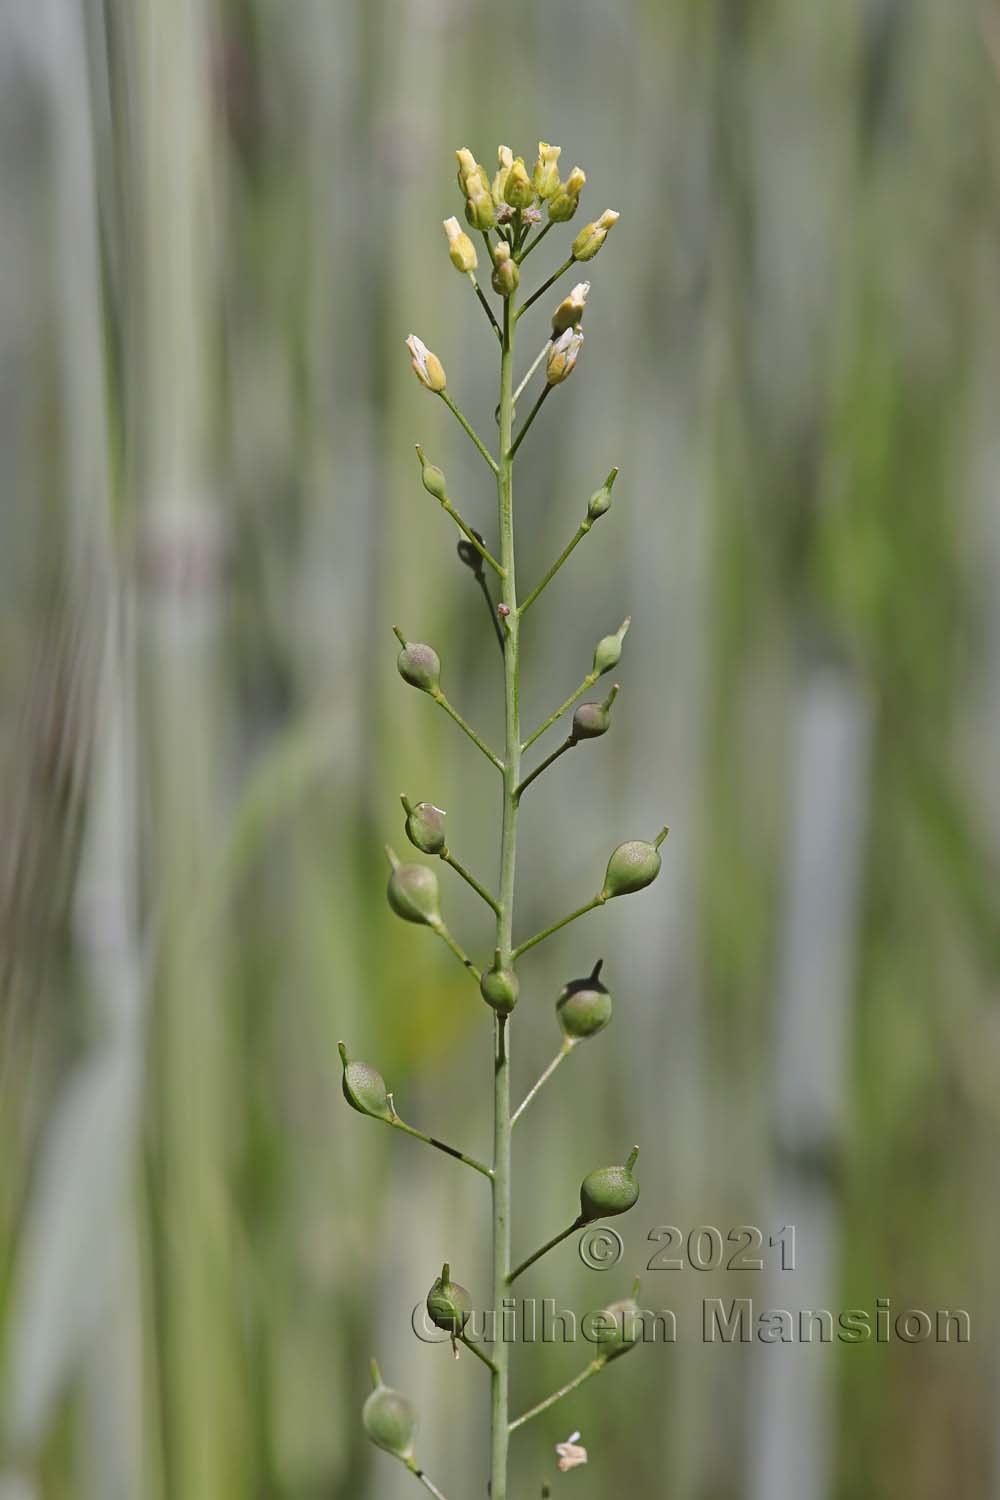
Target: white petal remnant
(426,366)
(570,1454)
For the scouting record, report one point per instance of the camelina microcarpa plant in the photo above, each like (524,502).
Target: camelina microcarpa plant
(512,213)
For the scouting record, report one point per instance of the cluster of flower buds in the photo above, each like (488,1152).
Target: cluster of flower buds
(514,189)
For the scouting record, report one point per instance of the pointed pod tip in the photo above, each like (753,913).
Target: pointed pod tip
(399,636)
(376,1373)
(392,856)
(446,1273)
(660,837)
(633,1157)
(595,972)
(610,481)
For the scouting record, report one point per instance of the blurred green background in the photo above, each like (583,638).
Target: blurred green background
(220,219)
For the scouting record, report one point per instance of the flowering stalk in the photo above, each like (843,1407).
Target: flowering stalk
(506,212)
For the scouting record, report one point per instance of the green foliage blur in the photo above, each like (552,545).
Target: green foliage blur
(220,220)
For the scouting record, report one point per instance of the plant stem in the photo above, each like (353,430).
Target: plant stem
(486,306)
(564,1051)
(533,243)
(464,526)
(533,413)
(499,1395)
(475,1349)
(540,937)
(581,532)
(545,286)
(459,952)
(484,589)
(453,713)
(470,879)
(473,434)
(418,1473)
(567,744)
(430,1140)
(551,1244)
(588,682)
(595,1366)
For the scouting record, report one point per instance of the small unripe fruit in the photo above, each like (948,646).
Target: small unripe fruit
(584,1006)
(609,649)
(424,826)
(432,477)
(600,500)
(413,892)
(417,664)
(364,1087)
(389,1419)
(500,988)
(591,720)
(633,866)
(609,1191)
(448,1304)
(627,1315)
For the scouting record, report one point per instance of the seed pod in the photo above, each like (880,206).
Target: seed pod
(413,892)
(592,236)
(609,1191)
(433,477)
(506,275)
(600,500)
(389,1419)
(612,1342)
(424,825)
(593,719)
(460,247)
(584,1006)
(448,1304)
(569,313)
(518,190)
(364,1088)
(500,988)
(566,199)
(632,867)
(417,664)
(545,177)
(609,649)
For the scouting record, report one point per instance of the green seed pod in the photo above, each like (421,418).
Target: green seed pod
(609,649)
(633,866)
(609,1191)
(600,500)
(500,988)
(612,1342)
(364,1088)
(584,1006)
(389,1419)
(417,664)
(424,826)
(591,720)
(433,477)
(413,892)
(448,1304)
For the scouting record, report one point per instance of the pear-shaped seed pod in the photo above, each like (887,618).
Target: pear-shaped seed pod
(500,988)
(448,1304)
(413,892)
(584,1006)
(364,1087)
(632,867)
(626,1316)
(600,500)
(420,666)
(609,1191)
(433,478)
(425,826)
(389,1419)
(609,649)
(591,720)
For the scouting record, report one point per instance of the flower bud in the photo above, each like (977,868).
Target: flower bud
(426,366)
(600,500)
(518,191)
(609,1191)
(413,892)
(569,313)
(563,354)
(566,199)
(417,664)
(545,177)
(389,1419)
(505,272)
(424,826)
(505,156)
(460,247)
(592,236)
(632,867)
(448,1304)
(609,649)
(626,1314)
(593,719)
(584,1006)
(500,988)
(479,209)
(364,1087)
(472,177)
(433,477)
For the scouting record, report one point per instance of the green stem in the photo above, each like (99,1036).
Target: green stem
(595,1366)
(418,1473)
(533,243)
(551,1244)
(499,1393)
(588,682)
(470,879)
(546,932)
(464,526)
(545,286)
(453,713)
(485,305)
(475,1349)
(459,952)
(430,1140)
(543,351)
(567,744)
(564,1051)
(533,413)
(473,434)
(581,532)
